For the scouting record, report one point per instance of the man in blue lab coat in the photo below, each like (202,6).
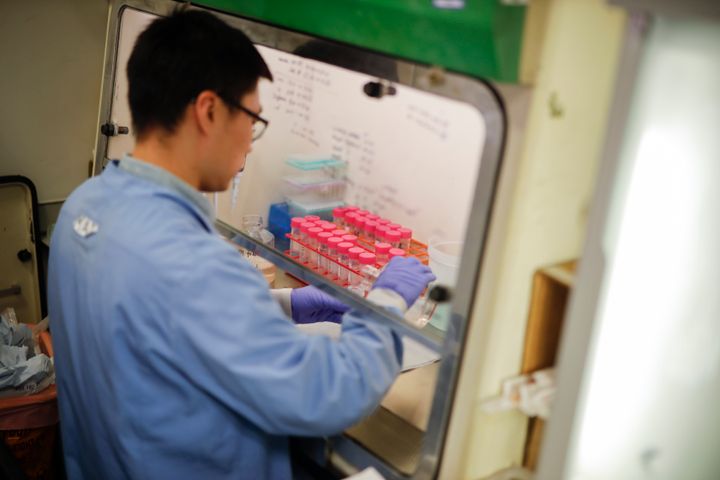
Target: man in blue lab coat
(173,358)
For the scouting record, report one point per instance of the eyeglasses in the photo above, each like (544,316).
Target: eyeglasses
(259,123)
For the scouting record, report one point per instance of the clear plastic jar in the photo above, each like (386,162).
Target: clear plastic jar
(380,231)
(295,247)
(396,252)
(354,264)
(350,221)
(393,238)
(322,262)
(405,238)
(305,239)
(344,262)
(313,246)
(350,238)
(368,272)
(382,250)
(339,216)
(369,233)
(332,244)
(359,228)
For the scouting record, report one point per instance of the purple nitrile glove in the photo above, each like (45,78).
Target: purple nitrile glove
(310,305)
(405,276)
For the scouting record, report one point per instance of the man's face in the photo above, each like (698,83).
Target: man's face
(232,142)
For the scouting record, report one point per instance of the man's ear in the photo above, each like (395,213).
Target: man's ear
(204,110)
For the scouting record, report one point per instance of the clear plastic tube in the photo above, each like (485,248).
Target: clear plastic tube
(354,264)
(344,260)
(333,243)
(393,238)
(295,247)
(368,272)
(339,216)
(370,226)
(313,243)
(350,238)
(322,262)
(305,238)
(382,252)
(405,238)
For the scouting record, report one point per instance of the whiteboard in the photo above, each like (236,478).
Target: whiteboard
(412,157)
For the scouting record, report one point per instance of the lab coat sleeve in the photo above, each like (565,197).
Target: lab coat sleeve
(237,345)
(282,297)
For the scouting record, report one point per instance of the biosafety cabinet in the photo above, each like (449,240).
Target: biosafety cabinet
(417,148)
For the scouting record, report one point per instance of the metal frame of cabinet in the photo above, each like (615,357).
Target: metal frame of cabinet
(341,450)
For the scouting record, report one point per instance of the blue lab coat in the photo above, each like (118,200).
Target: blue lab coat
(173,360)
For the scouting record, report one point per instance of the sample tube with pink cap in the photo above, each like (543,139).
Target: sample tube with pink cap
(295,247)
(396,252)
(350,221)
(382,250)
(340,232)
(360,222)
(322,264)
(332,244)
(405,238)
(344,260)
(305,239)
(369,232)
(393,238)
(354,264)
(313,244)
(312,218)
(350,238)
(368,272)
(338,215)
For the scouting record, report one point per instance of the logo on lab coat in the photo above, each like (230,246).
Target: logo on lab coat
(84,226)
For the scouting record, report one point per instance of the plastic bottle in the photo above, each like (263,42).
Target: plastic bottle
(332,244)
(338,214)
(313,246)
(354,264)
(350,238)
(359,229)
(344,261)
(368,272)
(405,238)
(295,247)
(370,230)
(393,238)
(381,252)
(322,262)
(305,239)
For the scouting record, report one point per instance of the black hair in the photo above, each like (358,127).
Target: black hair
(177,57)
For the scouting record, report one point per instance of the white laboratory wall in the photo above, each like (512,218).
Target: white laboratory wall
(51,55)
(544,200)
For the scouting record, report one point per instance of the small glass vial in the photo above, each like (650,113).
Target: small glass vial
(332,244)
(405,238)
(368,272)
(350,238)
(354,264)
(339,216)
(393,238)
(295,247)
(344,261)
(313,246)
(382,251)
(322,262)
